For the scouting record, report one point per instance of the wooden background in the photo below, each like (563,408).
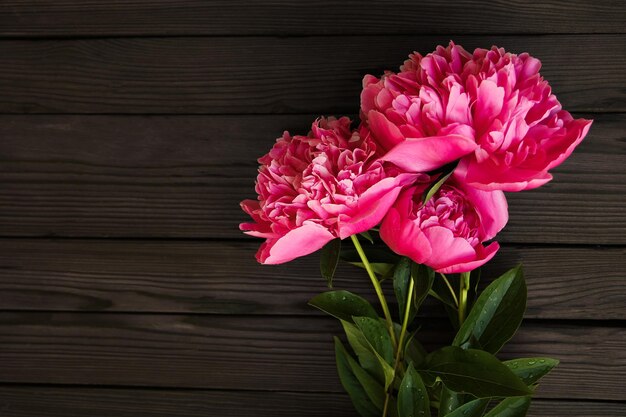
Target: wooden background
(128,135)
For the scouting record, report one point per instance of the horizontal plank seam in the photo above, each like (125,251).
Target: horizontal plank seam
(591,322)
(139,239)
(299,113)
(296,35)
(96,387)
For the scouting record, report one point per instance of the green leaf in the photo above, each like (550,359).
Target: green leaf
(343,305)
(511,407)
(423,277)
(472,371)
(329,259)
(379,340)
(375,254)
(474,408)
(496,315)
(378,267)
(441,292)
(401,281)
(360,398)
(368,359)
(377,335)
(414,352)
(530,370)
(435,187)
(367,236)
(412,396)
(449,400)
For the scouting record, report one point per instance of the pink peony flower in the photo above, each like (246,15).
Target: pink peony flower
(447,232)
(315,188)
(492,109)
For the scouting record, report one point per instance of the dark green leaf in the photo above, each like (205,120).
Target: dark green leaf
(496,315)
(360,398)
(474,408)
(363,350)
(435,187)
(414,352)
(530,370)
(381,269)
(377,335)
(449,400)
(412,396)
(329,259)
(368,359)
(511,407)
(472,371)
(401,281)
(367,236)
(423,277)
(441,292)
(343,305)
(375,254)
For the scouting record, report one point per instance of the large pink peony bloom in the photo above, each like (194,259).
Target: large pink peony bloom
(315,188)
(447,232)
(492,109)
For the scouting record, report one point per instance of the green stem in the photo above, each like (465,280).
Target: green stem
(377,287)
(405,323)
(464,288)
(445,279)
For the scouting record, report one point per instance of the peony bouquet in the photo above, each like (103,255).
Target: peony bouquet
(414,195)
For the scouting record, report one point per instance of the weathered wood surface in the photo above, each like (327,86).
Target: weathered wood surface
(198,277)
(129,133)
(98,402)
(183,176)
(31,18)
(270,75)
(251,353)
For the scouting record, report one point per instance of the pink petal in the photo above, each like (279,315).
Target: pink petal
(488,177)
(298,242)
(404,237)
(372,206)
(457,110)
(488,104)
(447,250)
(577,130)
(492,208)
(426,154)
(386,133)
(369,93)
(483,255)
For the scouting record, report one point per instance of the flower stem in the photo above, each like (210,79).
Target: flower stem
(377,287)
(405,323)
(464,288)
(445,279)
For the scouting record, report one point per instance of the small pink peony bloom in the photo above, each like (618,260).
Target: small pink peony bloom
(492,109)
(315,188)
(447,232)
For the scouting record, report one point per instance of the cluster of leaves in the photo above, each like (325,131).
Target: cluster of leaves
(465,379)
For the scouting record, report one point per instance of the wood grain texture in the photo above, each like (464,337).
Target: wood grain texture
(199,277)
(270,75)
(184,176)
(287,17)
(98,402)
(276,353)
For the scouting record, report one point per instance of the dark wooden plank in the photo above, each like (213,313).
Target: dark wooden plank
(286,17)
(196,277)
(97,402)
(183,176)
(247,352)
(270,75)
